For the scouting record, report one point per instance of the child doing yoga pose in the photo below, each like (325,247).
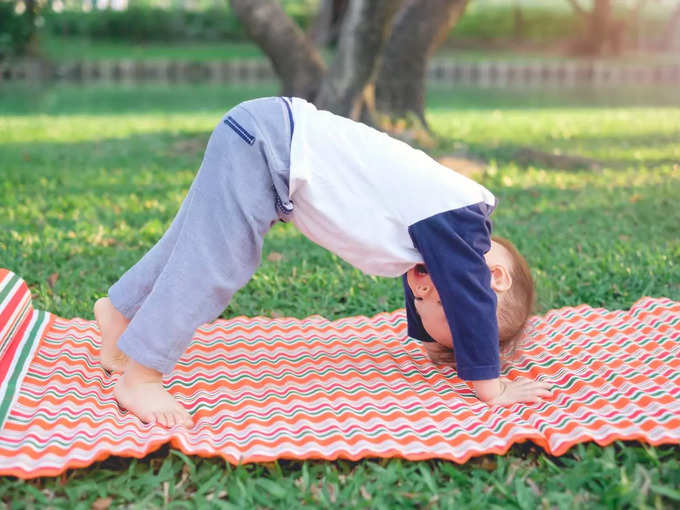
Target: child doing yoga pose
(382,206)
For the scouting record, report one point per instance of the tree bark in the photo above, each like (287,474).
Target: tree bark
(362,35)
(326,26)
(295,60)
(599,27)
(602,29)
(671,30)
(31,13)
(419,28)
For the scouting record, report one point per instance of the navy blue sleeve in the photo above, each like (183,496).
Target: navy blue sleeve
(415,325)
(453,244)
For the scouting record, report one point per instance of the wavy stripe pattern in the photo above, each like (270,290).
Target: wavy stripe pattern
(262,389)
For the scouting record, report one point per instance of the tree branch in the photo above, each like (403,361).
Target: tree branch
(296,61)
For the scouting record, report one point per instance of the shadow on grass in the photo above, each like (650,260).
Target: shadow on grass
(454,97)
(100,99)
(174,150)
(578,156)
(164,151)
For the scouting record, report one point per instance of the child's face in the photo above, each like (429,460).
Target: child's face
(427,301)
(429,306)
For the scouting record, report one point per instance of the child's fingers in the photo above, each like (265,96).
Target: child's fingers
(525,381)
(544,393)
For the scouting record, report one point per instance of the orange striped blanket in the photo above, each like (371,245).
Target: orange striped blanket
(262,389)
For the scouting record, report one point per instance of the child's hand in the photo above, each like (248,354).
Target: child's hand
(504,391)
(522,390)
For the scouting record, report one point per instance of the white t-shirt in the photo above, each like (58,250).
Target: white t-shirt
(356,190)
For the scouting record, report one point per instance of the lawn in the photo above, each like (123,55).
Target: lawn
(81,48)
(90,178)
(66,49)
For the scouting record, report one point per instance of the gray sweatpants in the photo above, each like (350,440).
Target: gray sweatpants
(214,244)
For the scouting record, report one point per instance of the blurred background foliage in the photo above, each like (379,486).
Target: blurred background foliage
(530,25)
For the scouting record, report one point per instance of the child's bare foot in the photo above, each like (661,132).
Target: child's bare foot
(140,391)
(111,325)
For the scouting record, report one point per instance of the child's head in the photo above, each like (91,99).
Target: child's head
(511,281)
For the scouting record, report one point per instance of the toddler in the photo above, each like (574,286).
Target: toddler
(382,206)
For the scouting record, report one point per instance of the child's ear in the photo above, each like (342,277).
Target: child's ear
(423,287)
(420,283)
(500,278)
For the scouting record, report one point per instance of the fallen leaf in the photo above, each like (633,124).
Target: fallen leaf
(364,493)
(102,504)
(487,464)
(532,485)
(409,495)
(274,256)
(52,279)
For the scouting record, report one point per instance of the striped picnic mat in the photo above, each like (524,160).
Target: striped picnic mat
(262,389)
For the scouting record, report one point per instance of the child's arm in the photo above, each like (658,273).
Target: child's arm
(452,245)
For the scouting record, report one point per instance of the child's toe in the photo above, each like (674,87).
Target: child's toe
(158,418)
(185,419)
(172,419)
(147,418)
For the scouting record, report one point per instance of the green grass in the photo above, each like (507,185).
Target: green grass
(64,49)
(90,178)
(58,49)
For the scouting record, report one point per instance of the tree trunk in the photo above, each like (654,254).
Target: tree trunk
(326,26)
(295,60)
(31,14)
(420,27)
(671,31)
(599,27)
(518,22)
(362,36)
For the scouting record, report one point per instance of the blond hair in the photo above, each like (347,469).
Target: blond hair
(517,304)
